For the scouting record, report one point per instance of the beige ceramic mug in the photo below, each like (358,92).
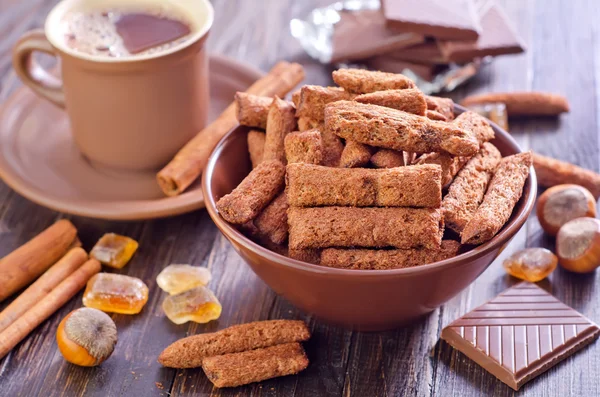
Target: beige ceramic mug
(130,113)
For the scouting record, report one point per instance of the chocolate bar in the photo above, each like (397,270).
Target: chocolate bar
(448,19)
(520,334)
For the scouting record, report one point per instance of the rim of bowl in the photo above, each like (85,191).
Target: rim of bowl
(514,224)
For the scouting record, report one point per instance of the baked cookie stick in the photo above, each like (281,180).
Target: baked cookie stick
(306,255)
(410,100)
(387,158)
(392,129)
(252,110)
(444,106)
(467,191)
(355,155)
(272,222)
(433,115)
(367,259)
(504,191)
(237,369)
(332,148)
(306,123)
(256,146)
(361,81)
(523,103)
(449,165)
(254,193)
(313,99)
(551,172)
(189,352)
(477,125)
(316,186)
(324,227)
(280,122)
(304,147)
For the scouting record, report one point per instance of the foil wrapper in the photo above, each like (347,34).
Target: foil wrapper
(316,32)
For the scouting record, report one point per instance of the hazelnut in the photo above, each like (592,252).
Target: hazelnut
(578,245)
(86,337)
(562,203)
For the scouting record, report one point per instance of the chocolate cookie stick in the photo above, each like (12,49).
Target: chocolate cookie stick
(254,193)
(316,186)
(444,106)
(189,352)
(256,146)
(504,191)
(313,99)
(523,103)
(324,227)
(384,127)
(252,110)
(361,81)
(466,193)
(387,158)
(449,165)
(355,155)
(410,100)
(237,369)
(304,147)
(367,259)
(551,172)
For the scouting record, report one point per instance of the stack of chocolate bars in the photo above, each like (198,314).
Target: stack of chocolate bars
(421,36)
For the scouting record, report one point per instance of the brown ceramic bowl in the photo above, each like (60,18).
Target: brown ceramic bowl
(368,300)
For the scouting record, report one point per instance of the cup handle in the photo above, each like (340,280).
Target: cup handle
(31,73)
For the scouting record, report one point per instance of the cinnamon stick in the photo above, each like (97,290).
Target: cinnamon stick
(43,309)
(189,162)
(27,262)
(43,286)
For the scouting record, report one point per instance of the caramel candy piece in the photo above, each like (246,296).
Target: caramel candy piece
(115,293)
(523,103)
(551,172)
(313,99)
(253,194)
(393,129)
(237,369)
(355,155)
(387,158)
(531,264)
(504,191)
(198,304)
(444,106)
(361,81)
(175,279)
(256,146)
(368,259)
(410,100)
(280,122)
(468,188)
(114,250)
(252,110)
(324,227)
(272,222)
(316,186)
(304,147)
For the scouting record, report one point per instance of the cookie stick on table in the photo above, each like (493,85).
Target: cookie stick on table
(523,103)
(551,172)
(189,162)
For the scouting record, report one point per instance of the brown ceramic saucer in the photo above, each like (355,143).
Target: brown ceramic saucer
(39,159)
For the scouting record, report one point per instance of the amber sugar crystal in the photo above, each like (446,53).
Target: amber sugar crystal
(175,279)
(115,293)
(198,304)
(114,250)
(531,264)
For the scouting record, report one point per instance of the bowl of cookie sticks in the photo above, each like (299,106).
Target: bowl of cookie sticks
(368,204)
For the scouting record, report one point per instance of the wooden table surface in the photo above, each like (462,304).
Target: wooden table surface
(563,56)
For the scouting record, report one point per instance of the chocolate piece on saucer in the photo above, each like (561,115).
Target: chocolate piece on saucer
(498,37)
(447,19)
(520,334)
(362,34)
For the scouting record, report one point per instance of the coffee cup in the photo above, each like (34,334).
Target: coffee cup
(126,111)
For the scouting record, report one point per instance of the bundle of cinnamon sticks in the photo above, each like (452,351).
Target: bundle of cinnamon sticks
(61,267)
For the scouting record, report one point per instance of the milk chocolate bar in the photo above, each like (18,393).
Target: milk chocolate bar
(520,334)
(314,186)
(323,227)
(448,19)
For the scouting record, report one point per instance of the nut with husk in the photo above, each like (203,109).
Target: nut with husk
(562,203)
(578,245)
(86,337)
